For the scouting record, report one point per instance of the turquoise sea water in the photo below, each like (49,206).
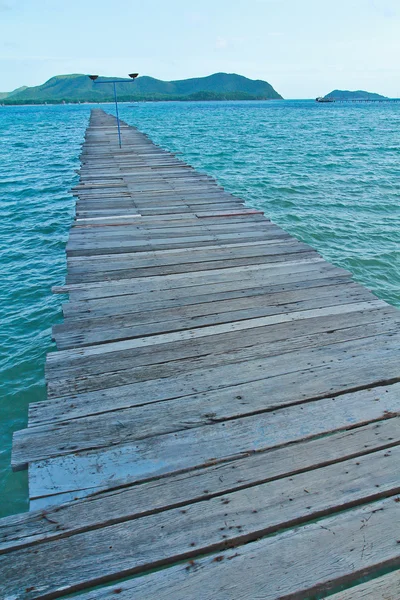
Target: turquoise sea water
(328,174)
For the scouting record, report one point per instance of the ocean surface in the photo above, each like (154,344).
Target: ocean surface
(327,173)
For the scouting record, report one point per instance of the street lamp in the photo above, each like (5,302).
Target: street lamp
(114,81)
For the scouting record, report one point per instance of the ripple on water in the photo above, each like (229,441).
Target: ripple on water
(38,169)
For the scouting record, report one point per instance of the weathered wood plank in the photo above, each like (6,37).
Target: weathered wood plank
(264,341)
(343,548)
(173,216)
(129,245)
(159,258)
(230,278)
(127,503)
(316,381)
(117,271)
(186,220)
(85,236)
(386,587)
(123,348)
(125,426)
(185,306)
(132,547)
(136,303)
(379,366)
(170,320)
(93,470)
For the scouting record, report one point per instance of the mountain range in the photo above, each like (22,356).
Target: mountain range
(79,88)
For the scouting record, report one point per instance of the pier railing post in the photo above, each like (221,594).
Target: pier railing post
(133,77)
(116,110)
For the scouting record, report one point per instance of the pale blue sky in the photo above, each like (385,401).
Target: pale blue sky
(304,48)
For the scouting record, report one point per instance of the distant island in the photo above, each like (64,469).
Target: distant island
(79,88)
(357,95)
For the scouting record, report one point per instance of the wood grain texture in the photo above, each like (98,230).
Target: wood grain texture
(136,303)
(108,370)
(180,319)
(386,587)
(236,517)
(121,504)
(132,424)
(272,568)
(127,462)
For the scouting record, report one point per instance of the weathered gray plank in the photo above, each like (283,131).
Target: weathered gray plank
(172,491)
(115,269)
(128,270)
(230,278)
(386,587)
(185,220)
(129,245)
(131,547)
(150,362)
(315,381)
(151,457)
(94,331)
(113,359)
(136,303)
(81,237)
(199,332)
(342,549)
(108,329)
(126,426)
(264,341)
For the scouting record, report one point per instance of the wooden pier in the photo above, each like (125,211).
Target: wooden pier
(222,418)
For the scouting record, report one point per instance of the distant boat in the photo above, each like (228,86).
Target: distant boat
(326,99)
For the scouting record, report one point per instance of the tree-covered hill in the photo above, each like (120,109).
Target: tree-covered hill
(79,88)
(9,94)
(356,95)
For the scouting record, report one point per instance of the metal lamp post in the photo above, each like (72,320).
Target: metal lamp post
(114,82)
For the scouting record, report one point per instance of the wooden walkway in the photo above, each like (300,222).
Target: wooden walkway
(222,414)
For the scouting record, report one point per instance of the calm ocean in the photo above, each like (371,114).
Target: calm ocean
(327,173)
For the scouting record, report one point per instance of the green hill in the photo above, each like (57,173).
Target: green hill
(357,95)
(79,88)
(9,94)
